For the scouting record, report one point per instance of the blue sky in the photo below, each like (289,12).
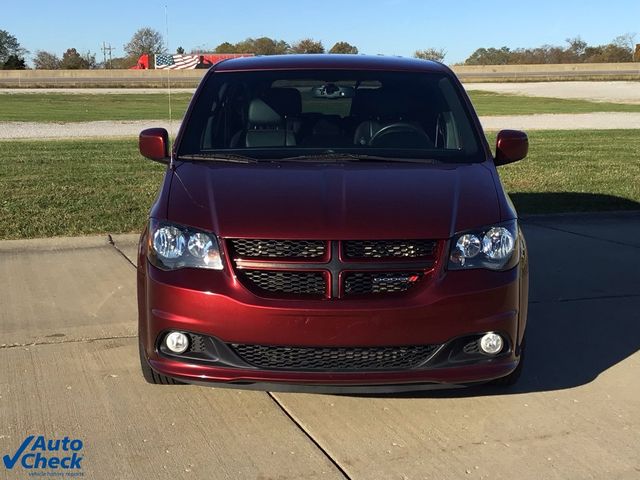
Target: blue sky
(392,27)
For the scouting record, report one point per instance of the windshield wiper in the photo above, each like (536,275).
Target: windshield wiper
(220,157)
(334,156)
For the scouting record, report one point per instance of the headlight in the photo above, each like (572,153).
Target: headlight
(173,246)
(491,247)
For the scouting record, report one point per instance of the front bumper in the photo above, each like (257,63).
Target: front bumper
(450,306)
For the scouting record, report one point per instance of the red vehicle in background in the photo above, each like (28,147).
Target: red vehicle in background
(184,61)
(334,221)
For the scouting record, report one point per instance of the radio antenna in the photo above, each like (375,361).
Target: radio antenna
(166,21)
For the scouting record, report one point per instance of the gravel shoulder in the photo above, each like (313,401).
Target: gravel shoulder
(102,129)
(617,92)
(564,121)
(99,129)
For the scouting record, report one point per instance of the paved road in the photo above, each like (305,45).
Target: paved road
(68,366)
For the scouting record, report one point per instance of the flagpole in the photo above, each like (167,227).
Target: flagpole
(166,21)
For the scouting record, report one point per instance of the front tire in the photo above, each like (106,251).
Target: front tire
(150,375)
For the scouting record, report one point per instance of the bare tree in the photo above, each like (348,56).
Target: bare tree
(436,54)
(145,40)
(577,46)
(46,60)
(626,41)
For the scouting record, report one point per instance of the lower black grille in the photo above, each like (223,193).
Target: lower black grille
(389,248)
(471,347)
(334,358)
(379,282)
(196,343)
(295,282)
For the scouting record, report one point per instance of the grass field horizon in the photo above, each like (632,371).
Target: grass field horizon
(80,187)
(78,107)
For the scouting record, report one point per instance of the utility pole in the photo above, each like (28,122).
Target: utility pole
(107,48)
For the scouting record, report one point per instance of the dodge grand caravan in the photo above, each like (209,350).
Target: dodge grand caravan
(333,222)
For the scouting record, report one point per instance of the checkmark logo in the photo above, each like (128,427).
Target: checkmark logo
(10,462)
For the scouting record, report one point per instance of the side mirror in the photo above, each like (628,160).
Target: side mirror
(511,146)
(154,144)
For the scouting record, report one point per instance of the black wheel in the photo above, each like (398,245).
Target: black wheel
(513,377)
(150,375)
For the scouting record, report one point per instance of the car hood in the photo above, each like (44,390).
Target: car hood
(335,201)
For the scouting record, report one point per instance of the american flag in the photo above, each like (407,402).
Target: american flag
(177,62)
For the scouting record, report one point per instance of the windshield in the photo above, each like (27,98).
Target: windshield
(292,114)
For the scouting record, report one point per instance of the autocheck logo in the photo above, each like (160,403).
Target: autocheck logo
(36,453)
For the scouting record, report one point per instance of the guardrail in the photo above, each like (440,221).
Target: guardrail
(190,78)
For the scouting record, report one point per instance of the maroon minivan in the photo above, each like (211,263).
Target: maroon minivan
(336,222)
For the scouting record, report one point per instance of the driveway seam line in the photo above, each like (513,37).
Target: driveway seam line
(75,340)
(113,244)
(333,461)
(583,299)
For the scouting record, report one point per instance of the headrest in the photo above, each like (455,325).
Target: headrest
(262,114)
(274,105)
(285,101)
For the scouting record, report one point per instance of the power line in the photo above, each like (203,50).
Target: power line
(107,48)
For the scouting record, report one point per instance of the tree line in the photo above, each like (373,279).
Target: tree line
(149,41)
(576,50)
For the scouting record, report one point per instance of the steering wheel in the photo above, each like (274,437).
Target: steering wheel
(398,127)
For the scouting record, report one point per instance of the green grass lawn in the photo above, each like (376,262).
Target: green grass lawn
(74,187)
(576,171)
(78,107)
(61,107)
(87,186)
(490,103)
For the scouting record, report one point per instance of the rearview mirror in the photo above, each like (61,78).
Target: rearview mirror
(332,91)
(154,144)
(511,146)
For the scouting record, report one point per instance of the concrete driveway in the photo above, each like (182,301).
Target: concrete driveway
(69,367)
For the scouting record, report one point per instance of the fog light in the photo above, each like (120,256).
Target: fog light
(491,343)
(177,342)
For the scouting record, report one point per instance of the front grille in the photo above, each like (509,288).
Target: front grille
(289,282)
(250,248)
(359,283)
(389,248)
(334,358)
(331,269)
